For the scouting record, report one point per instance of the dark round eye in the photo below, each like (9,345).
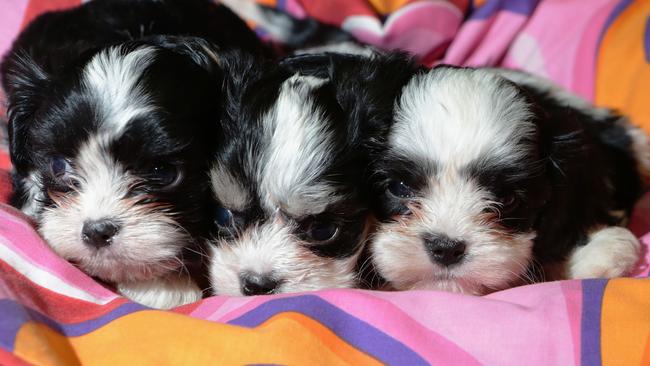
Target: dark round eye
(509,202)
(62,173)
(223,216)
(59,167)
(167,175)
(399,189)
(322,230)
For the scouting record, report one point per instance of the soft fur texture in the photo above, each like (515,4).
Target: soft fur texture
(112,107)
(291,213)
(483,180)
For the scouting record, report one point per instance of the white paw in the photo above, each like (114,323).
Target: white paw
(162,293)
(611,252)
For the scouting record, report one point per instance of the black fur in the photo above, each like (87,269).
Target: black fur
(591,170)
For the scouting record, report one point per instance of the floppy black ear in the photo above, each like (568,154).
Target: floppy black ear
(321,65)
(200,51)
(366,86)
(25,84)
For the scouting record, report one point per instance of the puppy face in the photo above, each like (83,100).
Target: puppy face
(288,213)
(460,184)
(111,164)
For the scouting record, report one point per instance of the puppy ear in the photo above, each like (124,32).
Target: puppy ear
(25,84)
(366,86)
(202,52)
(321,65)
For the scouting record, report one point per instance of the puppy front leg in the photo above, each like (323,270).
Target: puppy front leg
(610,252)
(162,293)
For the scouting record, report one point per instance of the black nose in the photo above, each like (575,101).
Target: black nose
(444,250)
(255,284)
(99,233)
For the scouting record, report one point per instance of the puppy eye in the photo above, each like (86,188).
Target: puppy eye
(509,202)
(61,171)
(322,231)
(167,175)
(223,217)
(59,166)
(400,189)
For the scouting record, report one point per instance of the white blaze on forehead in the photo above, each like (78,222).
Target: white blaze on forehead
(455,116)
(228,189)
(112,78)
(104,181)
(298,151)
(451,205)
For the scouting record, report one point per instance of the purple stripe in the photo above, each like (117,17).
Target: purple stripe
(592,301)
(523,7)
(352,330)
(15,316)
(646,40)
(618,9)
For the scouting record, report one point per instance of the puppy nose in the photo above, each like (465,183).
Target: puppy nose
(256,284)
(445,250)
(99,233)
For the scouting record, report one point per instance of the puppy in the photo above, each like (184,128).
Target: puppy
(291,212)
(488,173)
(110,116)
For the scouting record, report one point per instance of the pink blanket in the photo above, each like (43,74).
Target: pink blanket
(51,313)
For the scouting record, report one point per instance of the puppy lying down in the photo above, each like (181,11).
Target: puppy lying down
(291,210)
(489,178)
(110,114)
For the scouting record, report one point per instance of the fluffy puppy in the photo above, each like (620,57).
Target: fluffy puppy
(108,137)
(290,210)
(487,172)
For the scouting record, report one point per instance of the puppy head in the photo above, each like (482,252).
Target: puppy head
(460,184)
(288,212)
(109,156)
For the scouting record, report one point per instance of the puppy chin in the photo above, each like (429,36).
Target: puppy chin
(270,250)
(148,245)
(494,260)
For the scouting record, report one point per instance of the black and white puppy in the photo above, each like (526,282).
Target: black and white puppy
(110,117)
(291,213)
(487,172)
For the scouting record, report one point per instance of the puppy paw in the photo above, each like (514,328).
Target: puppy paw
(611,252)
(162,293)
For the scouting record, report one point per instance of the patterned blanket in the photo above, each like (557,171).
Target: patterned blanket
(53,314)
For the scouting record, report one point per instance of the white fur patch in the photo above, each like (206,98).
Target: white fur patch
(227,189)
(455,118)
(611,252)
(112,78)
(299,150)
(162,293)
